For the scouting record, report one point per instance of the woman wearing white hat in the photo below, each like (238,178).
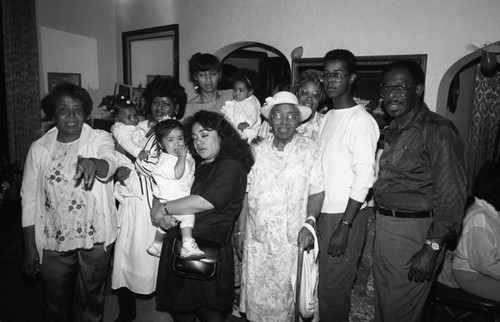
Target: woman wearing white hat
(285,187)
(310,93)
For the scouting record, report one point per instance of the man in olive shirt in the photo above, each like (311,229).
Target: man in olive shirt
(420,195)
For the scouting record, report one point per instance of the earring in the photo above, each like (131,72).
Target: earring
(196,87)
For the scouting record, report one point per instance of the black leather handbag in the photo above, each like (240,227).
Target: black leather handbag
(200,269)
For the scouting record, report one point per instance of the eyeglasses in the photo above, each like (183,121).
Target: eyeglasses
(305,93)
(396,90)
(337,77)
(278,116)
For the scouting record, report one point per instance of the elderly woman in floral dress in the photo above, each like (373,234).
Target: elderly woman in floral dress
(285,187)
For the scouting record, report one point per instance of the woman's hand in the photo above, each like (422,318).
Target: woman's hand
(86,169)
(160,218)
(167,222)
(122,174)
(31,263)
(305,239)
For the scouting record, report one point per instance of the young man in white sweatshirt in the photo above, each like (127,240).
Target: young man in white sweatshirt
(348,139)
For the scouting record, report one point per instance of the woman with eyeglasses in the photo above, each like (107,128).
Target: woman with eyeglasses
(285,187)
(310,93)
(205,73)
(134,270)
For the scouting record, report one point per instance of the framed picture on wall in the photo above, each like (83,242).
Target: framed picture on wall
(53,79)
(123,91)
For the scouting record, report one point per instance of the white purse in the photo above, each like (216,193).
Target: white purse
(308,278)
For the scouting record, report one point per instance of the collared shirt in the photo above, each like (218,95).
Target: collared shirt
(422,168)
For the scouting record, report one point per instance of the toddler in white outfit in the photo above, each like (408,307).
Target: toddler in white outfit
(127,130)
(173,177)
(244,111)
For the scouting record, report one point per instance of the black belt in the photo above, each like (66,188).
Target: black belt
(404,214)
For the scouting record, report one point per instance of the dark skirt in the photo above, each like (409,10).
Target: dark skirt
(183,295)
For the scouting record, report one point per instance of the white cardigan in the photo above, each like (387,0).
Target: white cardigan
(93,143)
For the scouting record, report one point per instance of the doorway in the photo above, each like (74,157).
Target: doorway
(269,67)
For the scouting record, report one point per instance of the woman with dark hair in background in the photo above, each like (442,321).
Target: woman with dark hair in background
(134,270)
(222,163)
(205,73)
(69,216)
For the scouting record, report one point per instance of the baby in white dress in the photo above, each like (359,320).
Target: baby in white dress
(173,177)
(127,130)
(244,111)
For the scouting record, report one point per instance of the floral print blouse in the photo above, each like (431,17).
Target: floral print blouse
(72,219)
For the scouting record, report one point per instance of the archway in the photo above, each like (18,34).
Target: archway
(270,66)
(471,101)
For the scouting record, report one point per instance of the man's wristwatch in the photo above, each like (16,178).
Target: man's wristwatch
(435,246)
(346,223)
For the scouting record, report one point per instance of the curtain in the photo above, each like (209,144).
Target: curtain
(22,86)
(484,132)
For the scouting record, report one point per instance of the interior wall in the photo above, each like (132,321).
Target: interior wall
(440,29)
(79,36)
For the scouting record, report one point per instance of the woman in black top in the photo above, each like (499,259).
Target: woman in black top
(223,162)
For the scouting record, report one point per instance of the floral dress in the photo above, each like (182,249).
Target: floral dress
(72,219)
(279,185)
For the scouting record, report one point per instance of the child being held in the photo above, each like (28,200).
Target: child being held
(127,130)
(173,177)
(244,111)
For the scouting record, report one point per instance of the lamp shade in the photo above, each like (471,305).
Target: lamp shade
(297,52)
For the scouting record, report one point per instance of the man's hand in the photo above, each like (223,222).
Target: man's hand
(338,241)
(305,239)
(122,174)
(422,264)
(239,240)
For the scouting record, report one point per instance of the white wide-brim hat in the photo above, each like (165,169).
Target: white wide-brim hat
(285,98)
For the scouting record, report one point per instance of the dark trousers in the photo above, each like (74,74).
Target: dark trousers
(73,284)
(396,240)
(126,303)
(337,274)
